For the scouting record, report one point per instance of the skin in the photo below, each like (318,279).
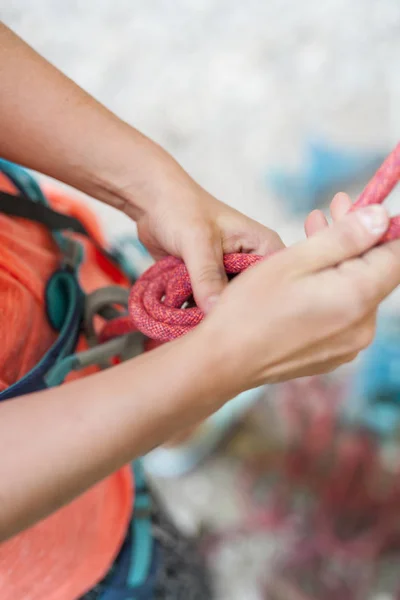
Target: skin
(253,334)
(67,134)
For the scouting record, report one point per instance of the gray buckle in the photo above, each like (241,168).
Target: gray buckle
(72,253)
(125,346)
(100,302)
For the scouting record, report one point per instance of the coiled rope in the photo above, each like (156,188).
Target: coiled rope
(157,303)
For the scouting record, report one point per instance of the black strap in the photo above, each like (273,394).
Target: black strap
(20,206)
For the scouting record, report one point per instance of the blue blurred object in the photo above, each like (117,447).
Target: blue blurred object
(326,169)
(374,399)
(131,255)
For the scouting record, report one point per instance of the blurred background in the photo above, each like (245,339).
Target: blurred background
(271,106)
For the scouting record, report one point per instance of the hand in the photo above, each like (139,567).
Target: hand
(87,147)
(309,308)
(180,218)
(316,220)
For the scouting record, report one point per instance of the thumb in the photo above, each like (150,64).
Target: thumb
(203,256)
(356,233)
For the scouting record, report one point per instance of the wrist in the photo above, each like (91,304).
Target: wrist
(203,377)
(174,387)
(218,376)
(207,379)
(133,175)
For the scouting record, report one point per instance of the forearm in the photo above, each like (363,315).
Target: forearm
(65,133)
(56,444)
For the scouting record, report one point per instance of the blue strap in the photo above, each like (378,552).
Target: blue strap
(132,256)
(64,345)
(142,549)
(136,568)
(65,299)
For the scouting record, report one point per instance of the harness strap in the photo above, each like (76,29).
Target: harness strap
(125,346)
(21,206)
(68,310)
(65,300)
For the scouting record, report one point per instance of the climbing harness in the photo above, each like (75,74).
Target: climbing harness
(148,563)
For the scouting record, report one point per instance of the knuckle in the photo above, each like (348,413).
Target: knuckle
(391,264)
(353,236)
(201,233)
(331,366)
(350,357)
(364,337)
(360,298)
(350,307)
(209,274)
(342,360)
(344,313)
(274,242)
(349,239)
(360,302)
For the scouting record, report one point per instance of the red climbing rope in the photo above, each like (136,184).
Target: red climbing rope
(157,298)
(379,188)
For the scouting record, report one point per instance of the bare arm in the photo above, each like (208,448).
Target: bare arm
(56,444)
(49,124)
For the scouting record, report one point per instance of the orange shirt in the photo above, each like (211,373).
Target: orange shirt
(65,555)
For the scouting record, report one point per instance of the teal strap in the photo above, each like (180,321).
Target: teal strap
(130,344)
(60,371)
(142,537)
(142,544)
(138,472)
(62,295)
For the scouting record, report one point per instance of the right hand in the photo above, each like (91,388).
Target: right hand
(308,308)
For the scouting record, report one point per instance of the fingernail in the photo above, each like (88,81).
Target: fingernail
(375,218)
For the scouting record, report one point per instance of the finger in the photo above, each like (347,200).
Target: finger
(340,206)
(315,221)
(250,237)
(266,242)
(377,274)
(352,236)
(203,256)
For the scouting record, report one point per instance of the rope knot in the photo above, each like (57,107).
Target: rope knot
(156,302)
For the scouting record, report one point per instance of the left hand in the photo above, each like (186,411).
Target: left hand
(182,219)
